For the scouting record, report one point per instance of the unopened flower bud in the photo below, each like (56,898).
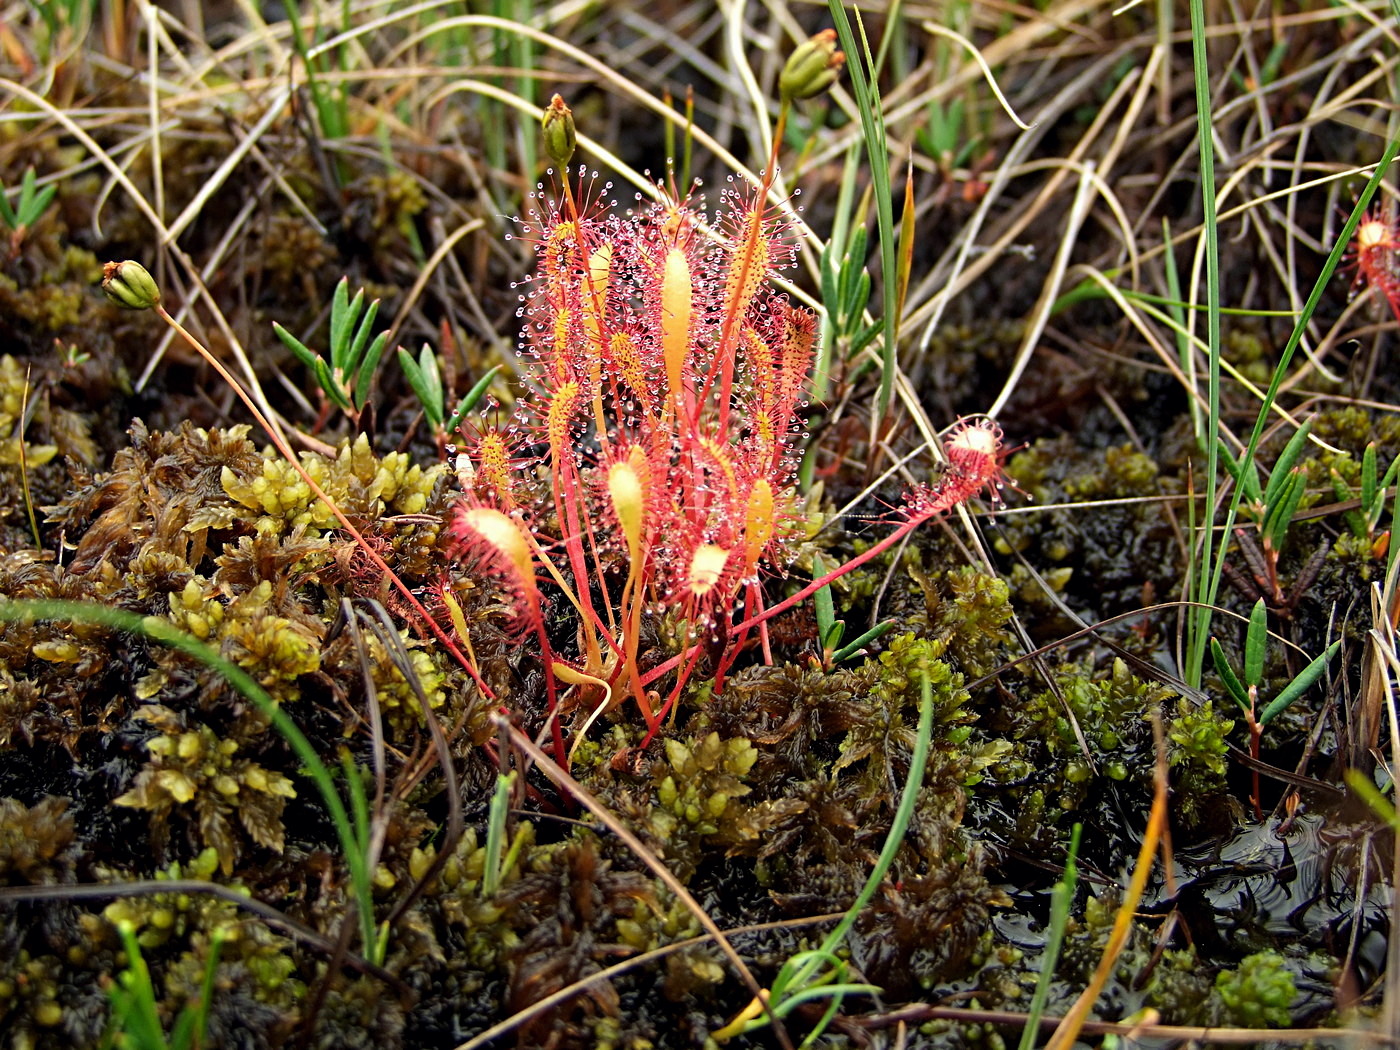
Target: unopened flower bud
(560,139)
(129,285)
(812,68)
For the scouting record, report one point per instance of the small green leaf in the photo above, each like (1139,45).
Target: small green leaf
(417,382)
(1360,783)
(342,319)
(1286,461)
(303,353)
(473,396)
(853,647)
(824,607)
(36,207)
(364,374)
(428,365)
(333,389)
(1256,644)
(829,277)
(1280,514)
(1300,685)
(1356,521)
(1227,676)
(1368,477)
(860,297)
(1248,479)
(866,336)
(7,213)
(361,340)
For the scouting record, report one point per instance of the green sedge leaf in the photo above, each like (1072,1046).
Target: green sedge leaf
(1256,644)
(1227,676)
(1300,685)
(6,212)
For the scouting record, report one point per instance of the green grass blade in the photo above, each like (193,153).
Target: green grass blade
(1207,582)
(1061,898)
(1201,623)
(858,61)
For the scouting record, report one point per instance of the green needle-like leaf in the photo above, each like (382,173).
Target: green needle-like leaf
(361,340)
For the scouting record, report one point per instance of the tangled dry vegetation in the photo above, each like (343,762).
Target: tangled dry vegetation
(476,727)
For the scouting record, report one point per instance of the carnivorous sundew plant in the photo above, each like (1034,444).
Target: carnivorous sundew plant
(665,412)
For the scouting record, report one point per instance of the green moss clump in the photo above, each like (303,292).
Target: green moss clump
(1257,993)
(193,766)
(175,932)
(274,649)
(397,699)
(15,388)
(362,484)
(1198,741)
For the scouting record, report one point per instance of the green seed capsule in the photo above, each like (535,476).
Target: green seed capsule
(560,138)
(129,285)
(812,68)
